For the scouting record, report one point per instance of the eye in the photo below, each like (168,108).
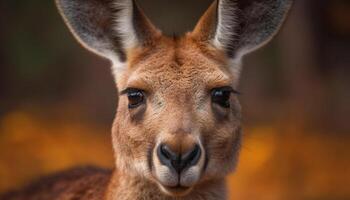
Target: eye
(136,97)
(221,96)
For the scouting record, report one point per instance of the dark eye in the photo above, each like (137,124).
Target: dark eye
(136,97)
(221,96)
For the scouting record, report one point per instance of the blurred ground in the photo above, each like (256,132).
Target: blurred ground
(279,161)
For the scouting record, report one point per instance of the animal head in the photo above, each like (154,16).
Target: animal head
(178,121)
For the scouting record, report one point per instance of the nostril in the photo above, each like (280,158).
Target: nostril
(191,157)
(168,153)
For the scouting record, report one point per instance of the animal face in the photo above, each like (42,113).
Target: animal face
(178,121)
(179,114)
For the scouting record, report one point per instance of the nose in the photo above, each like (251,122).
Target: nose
(178,160)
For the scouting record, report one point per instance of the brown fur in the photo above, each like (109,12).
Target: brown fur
(177,76)
(86,183)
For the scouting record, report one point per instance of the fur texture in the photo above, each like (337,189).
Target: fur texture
(88,183)
(177,78)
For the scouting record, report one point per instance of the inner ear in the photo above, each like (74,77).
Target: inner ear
(241,26)
(108,27)
(260,21)
(91,23)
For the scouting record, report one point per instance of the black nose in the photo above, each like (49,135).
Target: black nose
(178,161)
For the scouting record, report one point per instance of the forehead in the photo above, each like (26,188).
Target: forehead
(176,64)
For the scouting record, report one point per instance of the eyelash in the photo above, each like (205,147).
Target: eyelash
(228,89)
(128,90)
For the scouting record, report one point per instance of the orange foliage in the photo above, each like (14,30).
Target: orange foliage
(283,163)
(30,147)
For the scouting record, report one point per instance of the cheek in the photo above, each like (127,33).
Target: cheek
(222,142)
(138,133)
(223,151)
(222,135)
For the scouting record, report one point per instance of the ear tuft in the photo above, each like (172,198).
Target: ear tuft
(124,22)
(132,25)
(227,23)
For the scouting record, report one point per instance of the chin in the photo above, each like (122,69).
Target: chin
(177,191)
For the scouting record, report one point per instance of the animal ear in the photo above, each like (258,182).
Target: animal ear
(107,27)
(241,26)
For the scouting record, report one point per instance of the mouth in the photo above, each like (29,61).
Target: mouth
(176,190)
(177,184)
(177,170)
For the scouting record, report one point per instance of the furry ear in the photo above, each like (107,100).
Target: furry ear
(107,27)
(241,26)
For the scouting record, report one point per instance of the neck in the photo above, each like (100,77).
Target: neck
(124,187)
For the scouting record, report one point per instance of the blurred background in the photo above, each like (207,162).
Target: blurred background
(57,100)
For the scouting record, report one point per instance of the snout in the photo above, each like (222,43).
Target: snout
(178,164)
(178,161)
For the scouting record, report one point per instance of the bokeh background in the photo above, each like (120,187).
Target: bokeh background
(57,100)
